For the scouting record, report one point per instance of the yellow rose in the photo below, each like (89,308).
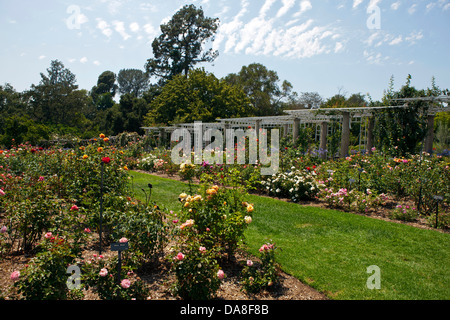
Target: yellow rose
(182,196)
(85,156)
(250,208)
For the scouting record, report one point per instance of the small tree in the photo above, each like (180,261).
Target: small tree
(399,131)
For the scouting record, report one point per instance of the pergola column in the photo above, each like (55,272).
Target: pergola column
(430,134)
(370,135)
(257,127)
(345,136)
(323,139)
(295,130)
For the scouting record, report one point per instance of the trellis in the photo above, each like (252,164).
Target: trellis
(320,118)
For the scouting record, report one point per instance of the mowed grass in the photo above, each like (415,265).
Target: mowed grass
(332,250)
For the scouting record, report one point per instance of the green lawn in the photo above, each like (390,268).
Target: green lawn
(331,250)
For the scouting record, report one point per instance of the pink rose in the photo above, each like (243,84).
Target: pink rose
(2,193)
(249,263)
(48,235)
(123,240)
(125,283)
(74,208)
(15,275)
(103,272)
(180,256)
(220,274)
(202,249)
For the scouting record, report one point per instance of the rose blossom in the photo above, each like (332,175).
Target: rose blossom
(103,272)
(249,263)
(180,256)
(15,275)
(220,274)
(48,235)
(123,240)
(125,283)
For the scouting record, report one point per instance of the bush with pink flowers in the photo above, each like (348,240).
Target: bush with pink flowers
(261,275)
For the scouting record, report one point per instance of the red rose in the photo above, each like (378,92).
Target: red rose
(106,160)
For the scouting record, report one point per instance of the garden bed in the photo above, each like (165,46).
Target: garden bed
(157,276)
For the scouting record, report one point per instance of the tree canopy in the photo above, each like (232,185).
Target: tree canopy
(262,86)
(198,97)
(181,43)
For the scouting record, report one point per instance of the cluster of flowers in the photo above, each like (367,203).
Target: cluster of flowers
(352,200)
(404,213)
(296,184)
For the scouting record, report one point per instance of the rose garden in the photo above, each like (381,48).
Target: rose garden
(323,221)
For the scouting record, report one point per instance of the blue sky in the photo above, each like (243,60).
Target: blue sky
(331,46)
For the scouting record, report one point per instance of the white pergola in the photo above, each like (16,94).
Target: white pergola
(321,118)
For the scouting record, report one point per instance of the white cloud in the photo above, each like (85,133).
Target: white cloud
(96,62)
(395,41)
(104,27)
(305,5)
(263,35)
(287,5)
(356,3)
(414,37)
(266,7)
(119,26)
(41,57)
(150,31)
(395,5)
(339,47)
(134,27)
(84,60)
(412,9)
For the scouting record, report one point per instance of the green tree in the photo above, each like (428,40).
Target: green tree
(198,97)
(103,93)
(133,81)
(262,87)
(57,100)
(399,131)
(180,46)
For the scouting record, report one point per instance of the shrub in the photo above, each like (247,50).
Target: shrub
(258,276)
(196,269)
(296,185)
(101,275)
(404,213)
(46,276)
